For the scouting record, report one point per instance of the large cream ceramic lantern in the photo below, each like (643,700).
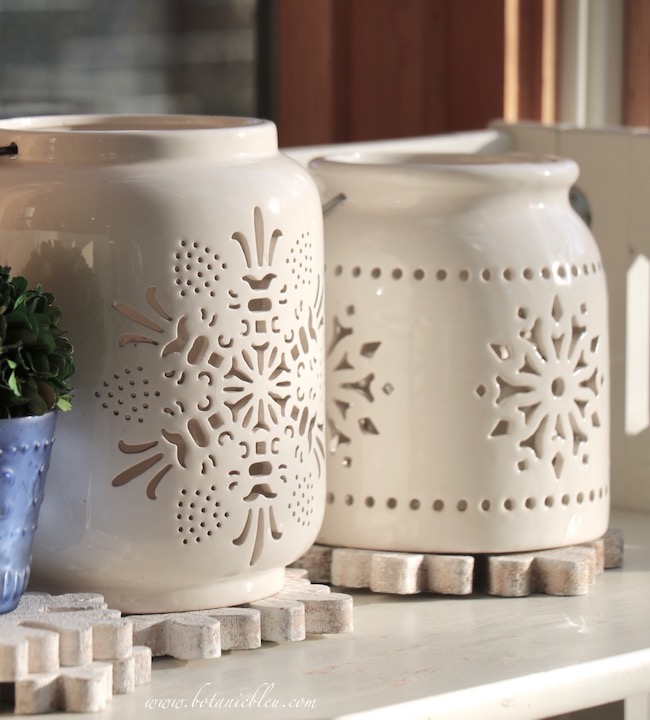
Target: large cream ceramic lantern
(186,253)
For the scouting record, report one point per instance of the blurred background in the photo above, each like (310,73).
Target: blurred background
(332,70)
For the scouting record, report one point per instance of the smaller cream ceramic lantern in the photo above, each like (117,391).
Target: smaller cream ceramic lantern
(467,355)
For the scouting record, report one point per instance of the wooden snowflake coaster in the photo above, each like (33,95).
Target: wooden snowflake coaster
(68,652)
(298,610)
(565,571)
(72,653)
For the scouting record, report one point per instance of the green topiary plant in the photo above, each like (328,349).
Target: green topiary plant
(35,355)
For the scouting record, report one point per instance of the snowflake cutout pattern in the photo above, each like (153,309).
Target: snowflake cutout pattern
(249,397)
(354,388)
(547,387)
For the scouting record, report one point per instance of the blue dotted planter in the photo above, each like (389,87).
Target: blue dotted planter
(25,448)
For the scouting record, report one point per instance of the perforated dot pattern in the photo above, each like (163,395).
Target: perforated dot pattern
(128,394)
(197,269)
(301,261)
(558,271)
(199,514)
(301,504)
(461,505)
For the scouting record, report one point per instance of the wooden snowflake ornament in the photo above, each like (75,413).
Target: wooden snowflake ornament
(69,652)
(72,653)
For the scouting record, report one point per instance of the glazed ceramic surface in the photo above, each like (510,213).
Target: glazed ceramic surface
(186,253)
(467,355)
(25,451)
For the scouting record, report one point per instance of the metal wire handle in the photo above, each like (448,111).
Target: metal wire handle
(330,204)
(9,149)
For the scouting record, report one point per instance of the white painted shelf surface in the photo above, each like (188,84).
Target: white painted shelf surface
(428,656)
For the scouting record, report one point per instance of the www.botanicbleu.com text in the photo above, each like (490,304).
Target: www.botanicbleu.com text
(206,698)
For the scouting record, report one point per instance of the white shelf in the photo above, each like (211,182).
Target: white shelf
(430,657)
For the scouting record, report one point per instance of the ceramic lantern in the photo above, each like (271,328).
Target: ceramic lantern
(186,253)
(467,355)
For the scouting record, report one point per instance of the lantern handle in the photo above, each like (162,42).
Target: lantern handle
(330,204)
(11,149)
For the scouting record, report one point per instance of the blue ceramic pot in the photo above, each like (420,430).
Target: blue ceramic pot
(25,447)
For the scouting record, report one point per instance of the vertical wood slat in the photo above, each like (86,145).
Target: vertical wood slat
(308,84)
(530,73)
(530,59)
(511,61)
(394,51)
(475,62)
(637,63)
(549,61)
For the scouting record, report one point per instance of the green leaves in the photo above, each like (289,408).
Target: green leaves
(35,355)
